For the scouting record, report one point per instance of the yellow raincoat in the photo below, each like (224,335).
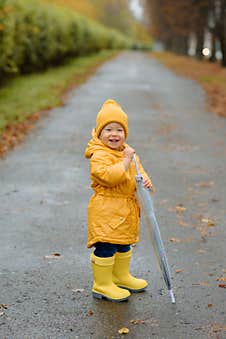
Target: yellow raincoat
(113,212)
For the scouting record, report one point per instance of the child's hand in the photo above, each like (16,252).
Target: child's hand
(128,154)
(148,184)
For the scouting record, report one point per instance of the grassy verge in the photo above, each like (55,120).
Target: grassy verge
(211,76)
(23,98)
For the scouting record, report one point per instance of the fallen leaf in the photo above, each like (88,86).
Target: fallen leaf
(221,279)
(91,312)
(218,327)
(215,200)
(183,223)
(202,283)
(202,251)
(3,307)
(179,270)
(80,290)
(177,240)
(52,256)
(209,222)
(222,285)
(137,321)
(210,305)
(205,184)
(123,330)
(15,133)
(180,208)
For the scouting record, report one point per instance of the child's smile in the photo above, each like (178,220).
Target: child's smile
(113,135)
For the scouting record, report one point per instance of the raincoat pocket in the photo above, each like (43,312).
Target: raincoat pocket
(114,211)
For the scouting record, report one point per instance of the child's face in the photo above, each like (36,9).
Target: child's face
(113,135)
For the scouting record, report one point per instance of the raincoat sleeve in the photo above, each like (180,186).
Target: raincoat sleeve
(105,172)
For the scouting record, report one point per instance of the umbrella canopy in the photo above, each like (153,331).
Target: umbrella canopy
(148,214)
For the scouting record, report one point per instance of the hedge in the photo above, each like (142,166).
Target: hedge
(34,36)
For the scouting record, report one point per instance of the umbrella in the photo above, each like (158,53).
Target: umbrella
(148,214)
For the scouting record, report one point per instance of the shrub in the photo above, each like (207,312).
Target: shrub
(34,36)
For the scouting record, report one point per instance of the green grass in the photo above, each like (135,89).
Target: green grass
(35,92)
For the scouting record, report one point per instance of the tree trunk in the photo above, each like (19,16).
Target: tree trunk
(213,47)
(223,49)
(223,34)
(179,45)
(200,43)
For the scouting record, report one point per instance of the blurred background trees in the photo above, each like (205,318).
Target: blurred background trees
(111,13)
(37,34)
(195,27)
(187,27)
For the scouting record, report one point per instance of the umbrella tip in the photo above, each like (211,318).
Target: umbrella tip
(172,296)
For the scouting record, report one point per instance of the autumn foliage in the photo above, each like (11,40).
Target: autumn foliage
(175,23)
(34,36)
(84,7)
(114,14)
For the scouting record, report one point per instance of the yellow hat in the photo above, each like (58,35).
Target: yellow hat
(111,111)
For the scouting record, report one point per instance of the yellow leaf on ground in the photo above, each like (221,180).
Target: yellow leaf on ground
(209,222)
(123,330)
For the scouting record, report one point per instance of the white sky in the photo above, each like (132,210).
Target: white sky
(136,8)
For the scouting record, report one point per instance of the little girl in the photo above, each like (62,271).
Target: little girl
(113,212)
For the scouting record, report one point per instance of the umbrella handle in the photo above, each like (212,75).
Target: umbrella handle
(136,164)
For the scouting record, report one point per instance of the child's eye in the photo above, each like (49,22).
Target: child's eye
(108,129)
(119,130)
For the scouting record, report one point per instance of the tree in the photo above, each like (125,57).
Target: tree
(217,25)
(115,14)
(173,23)
(85,7)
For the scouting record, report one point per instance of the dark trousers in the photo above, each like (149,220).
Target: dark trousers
(106,250)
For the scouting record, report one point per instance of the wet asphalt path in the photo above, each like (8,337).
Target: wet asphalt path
(44,190)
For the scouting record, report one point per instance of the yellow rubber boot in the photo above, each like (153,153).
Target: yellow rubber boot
(103,286)
(122,276)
